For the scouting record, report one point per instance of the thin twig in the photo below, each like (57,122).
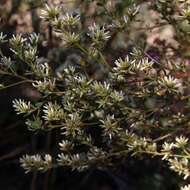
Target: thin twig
(33,183)
(14,84)
(48,145)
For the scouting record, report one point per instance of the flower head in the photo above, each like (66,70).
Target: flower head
(36,162)
(53,112)
(186,187)
(98,34)
(22,106)
(170,84)
(50,12)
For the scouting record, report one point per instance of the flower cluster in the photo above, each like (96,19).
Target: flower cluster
(36,162)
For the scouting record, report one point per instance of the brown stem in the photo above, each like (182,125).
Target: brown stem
(33,183)
(48,145)
(50,36)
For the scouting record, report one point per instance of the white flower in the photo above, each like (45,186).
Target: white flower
(101,89)
(117,96)
(185,14)
(50,12)
(41,69)
(1,86)
(30,55)
(167,147)
(145,64)
(44,86)
(63,159)
(70,37)
(131,65)
(22,106)
(181,141)
(122,64)
(186,187)
(65,145)
(70,20)
(98,34)
(3,37)
(17,42)
(180,166)
(110,126)
(6,61)
(53,112)
(170,83)
(36,162)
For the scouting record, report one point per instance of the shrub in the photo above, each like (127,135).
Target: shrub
(117,95)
